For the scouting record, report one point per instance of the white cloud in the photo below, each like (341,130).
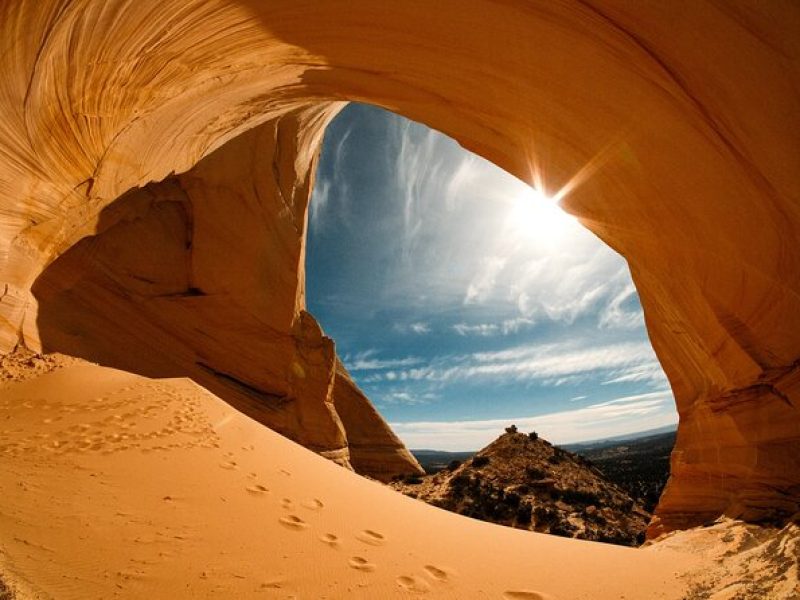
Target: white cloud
(505,327)
(550,364)
(372,364)
(615,315)
(464,175)
(510,326)
(406,397)
(483,329)
(420,328)
(366,361)
(649,371)
(620,416)
(326,189)
(419,170)
(319,202)
(485,280)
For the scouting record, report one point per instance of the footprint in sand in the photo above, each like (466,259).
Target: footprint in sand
(373,538)
(330,539)
(436,573)
(273,585)
(526,595)
(413,584)
(312,504)
(361,564)
(257,489)
(293,522)
(229,464)
(287,503)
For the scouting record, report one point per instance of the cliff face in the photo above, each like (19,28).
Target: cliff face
(674,139)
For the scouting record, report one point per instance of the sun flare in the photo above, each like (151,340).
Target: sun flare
(537,217)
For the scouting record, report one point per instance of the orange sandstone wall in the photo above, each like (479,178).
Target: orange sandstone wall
(674,130)
(201,275)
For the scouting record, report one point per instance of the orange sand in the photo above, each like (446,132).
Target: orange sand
(119,486)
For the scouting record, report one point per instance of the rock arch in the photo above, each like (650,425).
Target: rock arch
(676,136)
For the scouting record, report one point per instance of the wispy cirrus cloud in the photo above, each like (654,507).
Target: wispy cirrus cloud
(649,371)
(406,397)
(549,364)
(369,361)
(331,189)
(478,329)
(618,313)
(417,327)
(504,327)
(418,172)
(485,281)
(462,176)
(604,419)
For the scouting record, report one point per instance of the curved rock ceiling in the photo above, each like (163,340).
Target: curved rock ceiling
(673,135)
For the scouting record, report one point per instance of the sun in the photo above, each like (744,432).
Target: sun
(537,218)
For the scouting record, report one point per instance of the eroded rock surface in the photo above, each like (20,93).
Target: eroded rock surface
(674,136)
(200,275)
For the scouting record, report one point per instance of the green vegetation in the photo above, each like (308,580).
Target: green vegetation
(480,461)
(579,497)
(639,466)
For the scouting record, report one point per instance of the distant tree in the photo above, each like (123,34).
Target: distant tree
(460,481)
(532,472)
(533,435)
(512,429)
(572,496)
(563,528)
(544,515)
(453,465)
(480,461)
(524,514)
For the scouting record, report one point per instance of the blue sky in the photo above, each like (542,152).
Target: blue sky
(461,300)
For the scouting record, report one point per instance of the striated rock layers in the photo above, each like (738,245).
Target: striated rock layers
(181,136)
(201,275)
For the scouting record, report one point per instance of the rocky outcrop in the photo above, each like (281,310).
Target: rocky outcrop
(374,448)
(674,139)
(525,482)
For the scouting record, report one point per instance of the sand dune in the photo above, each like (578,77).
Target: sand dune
(119,486)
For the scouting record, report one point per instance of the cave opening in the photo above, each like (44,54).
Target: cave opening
(156,171)
(462,300)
